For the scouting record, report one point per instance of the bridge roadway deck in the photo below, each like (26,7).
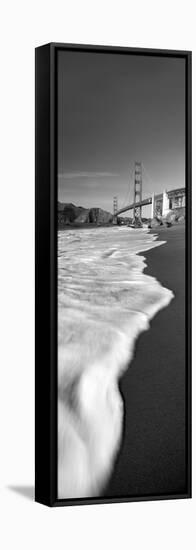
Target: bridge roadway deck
(147,201)
(144,202)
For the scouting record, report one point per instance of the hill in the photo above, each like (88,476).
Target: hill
(69,214)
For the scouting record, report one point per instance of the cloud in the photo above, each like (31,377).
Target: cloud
(75,175)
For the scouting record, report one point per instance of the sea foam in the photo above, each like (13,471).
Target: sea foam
(104,302)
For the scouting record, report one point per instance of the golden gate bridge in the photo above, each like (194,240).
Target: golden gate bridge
(161,204)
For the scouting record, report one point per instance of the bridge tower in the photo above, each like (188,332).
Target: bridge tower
(115,209)
(137,210)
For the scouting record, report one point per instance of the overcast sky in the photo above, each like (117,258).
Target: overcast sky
(112,110)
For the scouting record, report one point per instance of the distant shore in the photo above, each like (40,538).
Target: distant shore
(83,226)
(152,460)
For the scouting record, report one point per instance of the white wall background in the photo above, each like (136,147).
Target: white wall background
(23,26)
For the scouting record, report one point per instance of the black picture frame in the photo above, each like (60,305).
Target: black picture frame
(46,271)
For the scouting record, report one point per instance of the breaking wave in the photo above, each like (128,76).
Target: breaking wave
(104,302)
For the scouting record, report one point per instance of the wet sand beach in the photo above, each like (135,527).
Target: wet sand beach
(152,460)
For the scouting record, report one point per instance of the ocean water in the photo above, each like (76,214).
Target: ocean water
(104,302)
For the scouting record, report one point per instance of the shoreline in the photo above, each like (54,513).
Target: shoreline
(152,457)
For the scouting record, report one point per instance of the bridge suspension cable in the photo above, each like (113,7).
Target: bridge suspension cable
(134,194)
(147,177)
(127,197)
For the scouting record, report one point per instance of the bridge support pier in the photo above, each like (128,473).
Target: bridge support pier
(137,210)
(153,206)
(166,208)
(115,210)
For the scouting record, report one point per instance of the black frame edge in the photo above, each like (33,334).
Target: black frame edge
(44,365)
(189,269)
(117,49)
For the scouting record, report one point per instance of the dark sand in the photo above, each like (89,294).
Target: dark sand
(152,460)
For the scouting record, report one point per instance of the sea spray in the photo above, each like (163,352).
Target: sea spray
(104,302)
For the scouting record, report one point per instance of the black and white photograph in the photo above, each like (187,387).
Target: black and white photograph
(121,275)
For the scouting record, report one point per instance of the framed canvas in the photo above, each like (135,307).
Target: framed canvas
(113,274)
